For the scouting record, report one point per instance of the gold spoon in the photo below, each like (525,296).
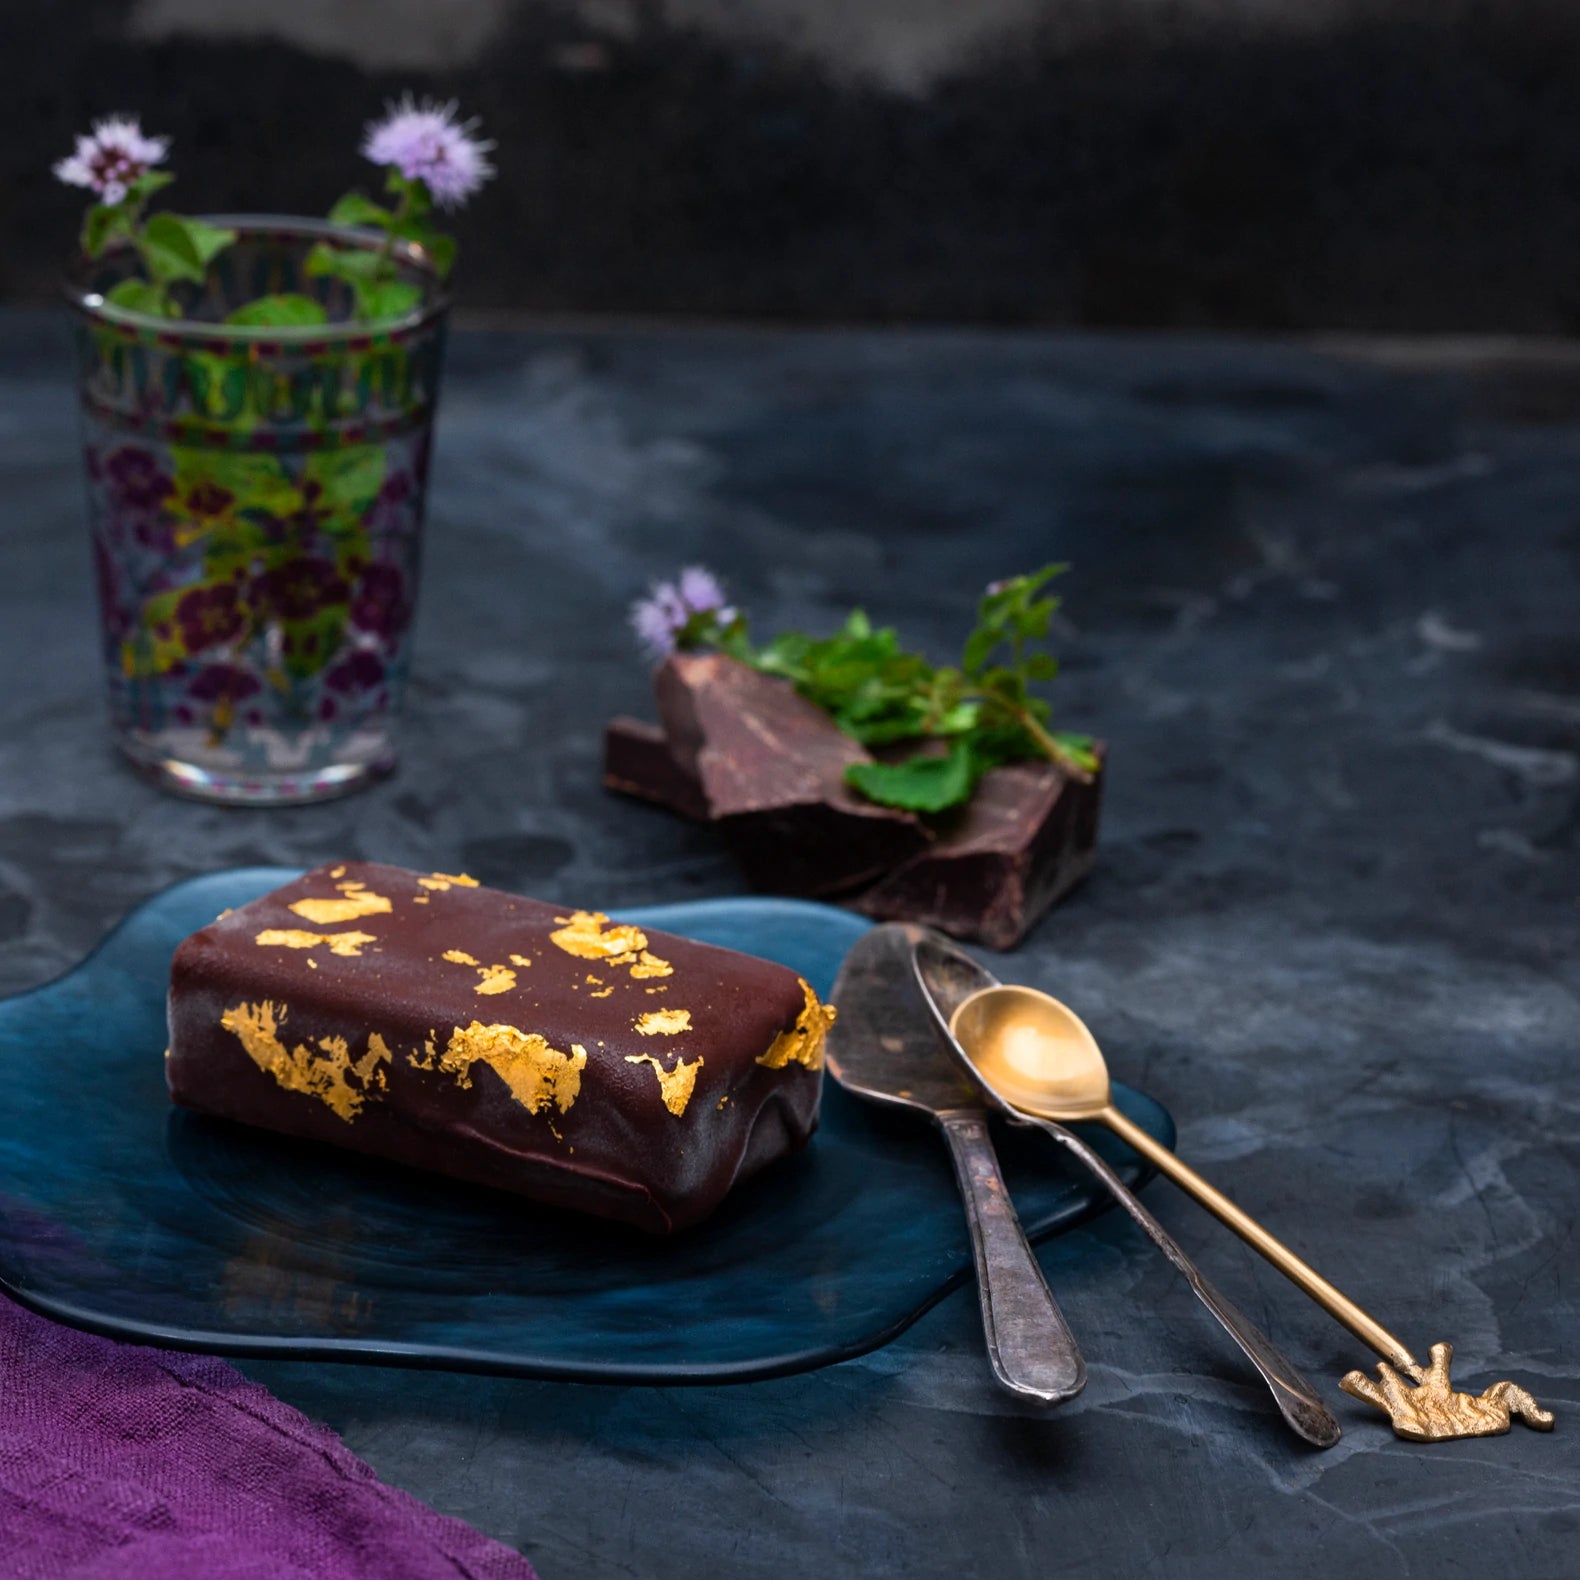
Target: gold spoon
(1037,1055)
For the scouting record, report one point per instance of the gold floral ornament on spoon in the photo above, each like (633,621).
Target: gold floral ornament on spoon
(1432,1410)
(1038,1056)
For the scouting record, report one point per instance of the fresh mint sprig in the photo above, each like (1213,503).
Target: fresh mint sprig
(430,161)
(115,161)
(967,718)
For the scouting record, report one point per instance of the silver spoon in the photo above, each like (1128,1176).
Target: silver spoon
(878,1051)
(947,977)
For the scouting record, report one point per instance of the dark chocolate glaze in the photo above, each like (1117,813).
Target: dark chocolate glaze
(615,1150)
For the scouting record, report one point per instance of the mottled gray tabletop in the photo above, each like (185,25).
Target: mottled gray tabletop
(1325,610)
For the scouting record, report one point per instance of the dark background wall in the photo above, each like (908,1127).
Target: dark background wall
(1258,164)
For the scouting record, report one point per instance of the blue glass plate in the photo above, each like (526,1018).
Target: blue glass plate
(122,1214)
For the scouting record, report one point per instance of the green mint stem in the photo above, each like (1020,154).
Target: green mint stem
(1046,744)
(1053,749)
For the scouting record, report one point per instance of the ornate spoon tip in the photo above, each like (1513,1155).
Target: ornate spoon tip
(1433,1412)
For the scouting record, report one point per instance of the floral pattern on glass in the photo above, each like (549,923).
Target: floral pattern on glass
(256,512)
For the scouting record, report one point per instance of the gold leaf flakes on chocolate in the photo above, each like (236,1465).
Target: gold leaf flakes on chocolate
(519,960)
(325,1074)
(345,909)
(589,935)
(495,979)
(535,1073)
(674,1086)
(347,945)
(663,1022)
(803,1043)
(442,881)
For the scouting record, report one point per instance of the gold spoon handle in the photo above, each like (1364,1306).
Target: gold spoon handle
(1335,1302)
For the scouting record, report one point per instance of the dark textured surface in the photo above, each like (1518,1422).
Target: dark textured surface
(1325,615)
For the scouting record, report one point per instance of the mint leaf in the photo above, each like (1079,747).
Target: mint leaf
(354,209)
(441,249)
(345,263)
(208,241)
(979,645)
(919,784)
(148,183)
(168,251)
(387,299)
(102,224)
(1079,750)
(181,249)
(139,296)
(287,311)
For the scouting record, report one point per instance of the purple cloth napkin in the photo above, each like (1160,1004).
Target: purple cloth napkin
(124,1463)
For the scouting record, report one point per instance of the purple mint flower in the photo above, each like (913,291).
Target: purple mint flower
(111,157)
(357,671)
(379,603)
(224,682)
(137,480)
(426,143)
(298,590)
(659,618)
(701,593)
(209,616)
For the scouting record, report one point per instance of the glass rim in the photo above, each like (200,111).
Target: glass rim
(93,305)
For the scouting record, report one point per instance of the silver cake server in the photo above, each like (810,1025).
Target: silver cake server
(883,1048)
(946,976)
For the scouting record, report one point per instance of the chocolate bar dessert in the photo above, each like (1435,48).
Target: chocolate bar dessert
(553,1052)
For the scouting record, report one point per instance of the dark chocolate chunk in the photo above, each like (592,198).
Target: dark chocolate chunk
(1028,836)
(771,767)
(507,1042)
(637,762)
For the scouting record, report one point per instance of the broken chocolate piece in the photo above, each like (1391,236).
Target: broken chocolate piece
(555,1053)
(1028,836)
(637,762)
(771,767)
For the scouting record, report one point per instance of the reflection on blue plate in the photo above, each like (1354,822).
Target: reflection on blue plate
(121,1214)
